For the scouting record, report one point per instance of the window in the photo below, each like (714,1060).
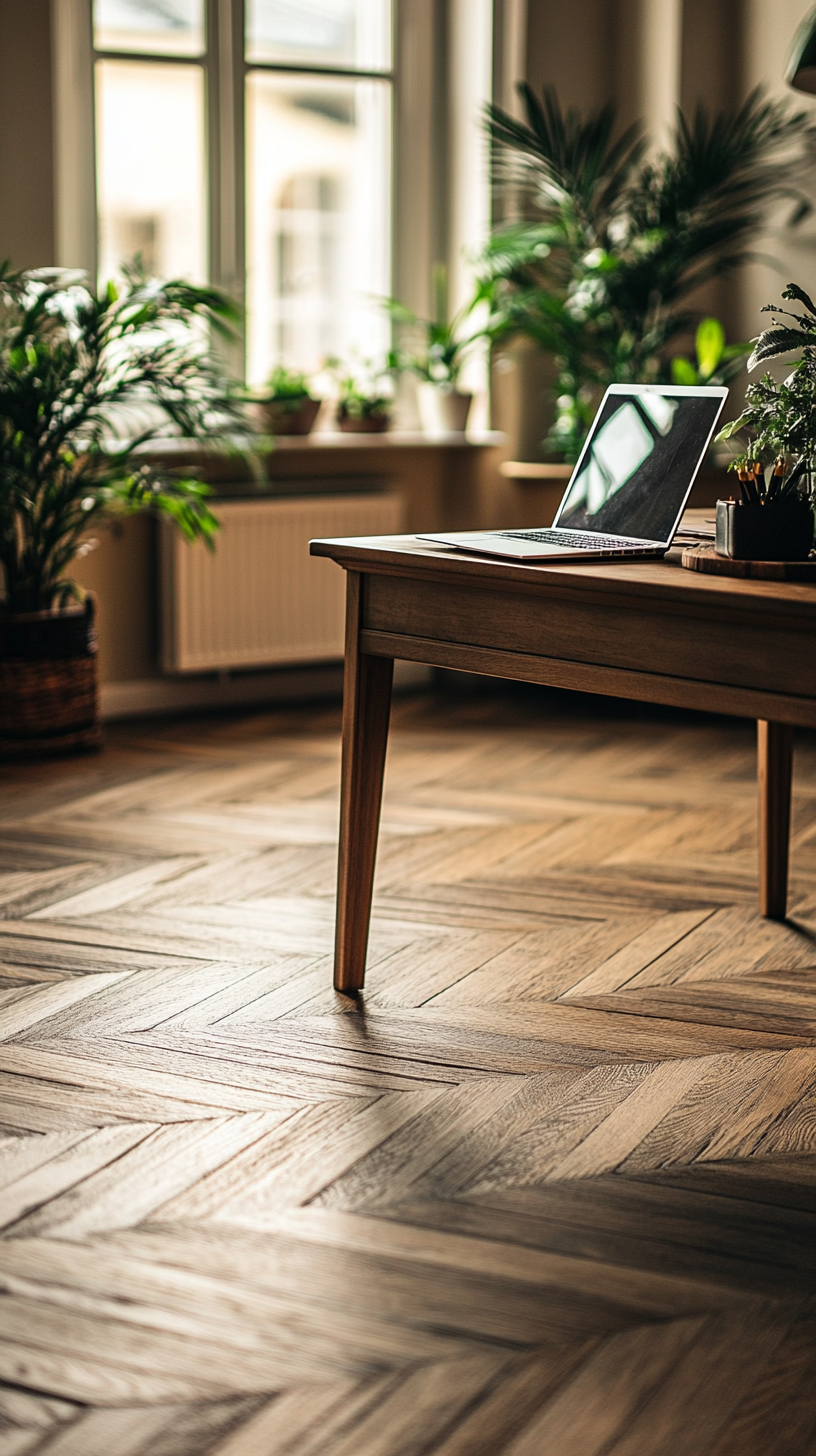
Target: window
(318,128)
(290,204)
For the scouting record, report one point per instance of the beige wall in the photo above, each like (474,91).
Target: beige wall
(571,46)
(26,134)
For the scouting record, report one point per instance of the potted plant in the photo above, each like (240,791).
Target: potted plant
(773,520)
(437,358)
(285,406)
(605,244)
(86,379)
(364,395)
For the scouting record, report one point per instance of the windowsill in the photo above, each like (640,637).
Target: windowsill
(530,472)
(337,440)
(323,454)
(389,440)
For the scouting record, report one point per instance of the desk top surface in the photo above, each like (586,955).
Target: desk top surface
(664,582)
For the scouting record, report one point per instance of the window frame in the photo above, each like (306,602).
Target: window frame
(433,104)
(225,69)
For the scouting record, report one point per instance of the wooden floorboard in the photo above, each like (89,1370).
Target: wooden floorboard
(546,1188)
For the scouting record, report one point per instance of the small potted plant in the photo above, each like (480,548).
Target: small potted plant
(437,358)
(86,379)
(773,519)
(364,396)
(285,405)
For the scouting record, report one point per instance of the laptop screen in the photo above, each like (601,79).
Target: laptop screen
(639,461)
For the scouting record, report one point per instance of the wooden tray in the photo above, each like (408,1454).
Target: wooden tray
(705,558)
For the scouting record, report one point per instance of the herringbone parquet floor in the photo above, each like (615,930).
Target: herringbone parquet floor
(546,1189)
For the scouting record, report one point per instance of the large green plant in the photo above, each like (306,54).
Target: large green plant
(86,379)
(600,269)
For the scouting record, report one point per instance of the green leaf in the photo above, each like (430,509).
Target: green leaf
(399,312)
(795,292)
(683,371)
(774,342)
(709,343)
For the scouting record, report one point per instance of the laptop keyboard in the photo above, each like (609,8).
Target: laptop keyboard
(584,539)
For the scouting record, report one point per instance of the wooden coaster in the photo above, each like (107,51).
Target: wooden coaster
(705,558)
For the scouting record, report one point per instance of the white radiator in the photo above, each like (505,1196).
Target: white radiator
(260,598)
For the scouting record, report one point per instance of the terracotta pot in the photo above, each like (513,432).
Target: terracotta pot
(288,416)
(49,689)
(372,424)
(442,409)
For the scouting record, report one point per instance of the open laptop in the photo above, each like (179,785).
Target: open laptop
(631,483)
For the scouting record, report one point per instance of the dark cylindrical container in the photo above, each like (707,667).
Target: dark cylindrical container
(775,531)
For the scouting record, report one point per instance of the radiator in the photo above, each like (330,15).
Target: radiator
(260,598)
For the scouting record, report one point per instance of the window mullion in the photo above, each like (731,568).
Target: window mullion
(74,141)
(225,120)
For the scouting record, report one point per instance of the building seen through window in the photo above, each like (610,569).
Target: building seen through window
(316,209)
(151,169)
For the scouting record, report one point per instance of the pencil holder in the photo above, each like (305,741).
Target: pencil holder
(773,531)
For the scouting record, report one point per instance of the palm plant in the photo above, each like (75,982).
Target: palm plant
(86,379)
(600,269)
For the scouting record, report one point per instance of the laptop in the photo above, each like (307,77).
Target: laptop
(629,488)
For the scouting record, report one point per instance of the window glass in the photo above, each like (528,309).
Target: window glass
(347,33)
(318,233)
(154,27)
(150,168)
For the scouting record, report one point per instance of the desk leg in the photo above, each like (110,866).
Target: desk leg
(366,709)
(774,771)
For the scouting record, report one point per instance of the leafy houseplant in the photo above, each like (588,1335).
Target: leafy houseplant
(444,344)
(364,399)
(715,361)
(600,267)
(86,379)
(286,406)
(776,465)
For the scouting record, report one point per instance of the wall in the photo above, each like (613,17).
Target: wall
(26,134)
(583,73)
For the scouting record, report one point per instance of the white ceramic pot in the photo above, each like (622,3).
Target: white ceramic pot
(442,409)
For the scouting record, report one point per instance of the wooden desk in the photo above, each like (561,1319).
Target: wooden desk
(644,630)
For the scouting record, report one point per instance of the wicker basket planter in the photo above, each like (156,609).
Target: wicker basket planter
(49,692)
